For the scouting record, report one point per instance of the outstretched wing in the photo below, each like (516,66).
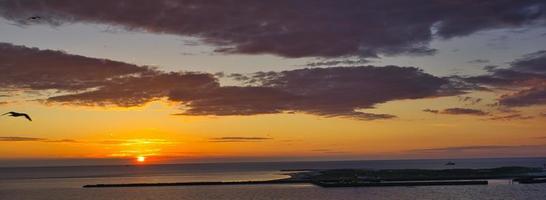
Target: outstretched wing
(7,113)
(28,117)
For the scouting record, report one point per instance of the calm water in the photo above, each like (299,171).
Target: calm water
(58,183)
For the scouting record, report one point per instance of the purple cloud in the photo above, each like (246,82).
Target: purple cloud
(457,111)
(32,68)
(533,96)
(327,92)
(293,28)
(463,111)
(138,90)
(526,75)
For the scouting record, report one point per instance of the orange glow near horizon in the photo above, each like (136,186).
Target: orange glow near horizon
(153,133)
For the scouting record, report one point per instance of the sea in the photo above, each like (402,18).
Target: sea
(60,183)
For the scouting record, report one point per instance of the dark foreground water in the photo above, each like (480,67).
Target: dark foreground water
(59,183)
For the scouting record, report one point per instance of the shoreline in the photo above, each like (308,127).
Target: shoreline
(278,181)
(274,182)
(377,178)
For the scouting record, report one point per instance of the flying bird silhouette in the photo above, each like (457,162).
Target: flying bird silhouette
(16,114)
(35,18)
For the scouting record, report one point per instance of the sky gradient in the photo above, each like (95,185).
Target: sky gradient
(193,81)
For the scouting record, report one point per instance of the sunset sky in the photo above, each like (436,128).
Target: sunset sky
(187,81)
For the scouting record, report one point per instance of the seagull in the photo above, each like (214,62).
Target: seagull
(16,114)
(35,18)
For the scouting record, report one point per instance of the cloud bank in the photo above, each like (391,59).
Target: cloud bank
(32,68)
(293,28)
(526,76)
(328,92)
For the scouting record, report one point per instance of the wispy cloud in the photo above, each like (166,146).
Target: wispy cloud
(431,111)
(469,100)
(20,139)
(478,61)
(130,142)
(330,151)
(32,139)
(458,111)
(463,111)
(239,139)
(526,76)
(330,63)
(63,141)
(511,117)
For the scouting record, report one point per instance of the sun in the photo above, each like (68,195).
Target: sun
(141,159)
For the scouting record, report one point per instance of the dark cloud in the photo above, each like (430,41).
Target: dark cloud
(469,100)
(239,139)
(90,81)
(531,63)
(533,67)
(328,92)
(233,100)
(527,76)
(507,79)
(533,96)
(431,111)
(31,139)
(293,28)
(478,61)
(32,68)
(457,111)
(528,71)
(463,111)
(135,91)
